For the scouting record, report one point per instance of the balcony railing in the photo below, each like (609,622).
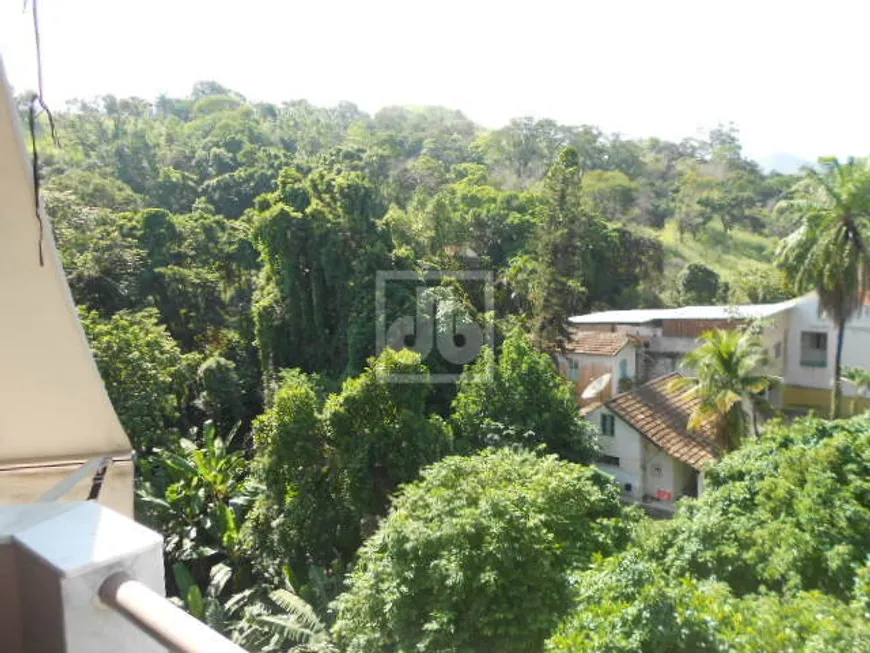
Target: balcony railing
(77,577)
(160,619)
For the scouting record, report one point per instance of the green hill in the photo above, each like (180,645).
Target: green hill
(728,253)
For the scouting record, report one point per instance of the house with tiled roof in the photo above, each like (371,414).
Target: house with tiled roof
(646,443)
(800,339)
(588,355)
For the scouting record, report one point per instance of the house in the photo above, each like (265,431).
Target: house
(590,355)
(800,340)
(647,446)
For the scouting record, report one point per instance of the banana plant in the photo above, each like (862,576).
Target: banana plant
(197,496)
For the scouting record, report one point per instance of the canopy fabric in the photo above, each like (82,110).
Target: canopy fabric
(53,404)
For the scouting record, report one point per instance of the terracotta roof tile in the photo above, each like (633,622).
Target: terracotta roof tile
(597,343)
(663,416)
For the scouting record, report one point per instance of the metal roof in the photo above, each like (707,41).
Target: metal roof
(645,315)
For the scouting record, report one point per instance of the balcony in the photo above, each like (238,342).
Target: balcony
(76,576)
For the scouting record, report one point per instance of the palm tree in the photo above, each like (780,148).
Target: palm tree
(727,376)
(858,377)
(826,253)
(298,629)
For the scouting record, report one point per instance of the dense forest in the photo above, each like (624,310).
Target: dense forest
(224,256)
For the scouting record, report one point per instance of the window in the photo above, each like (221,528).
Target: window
(777,350)
(814,349)
(607,424)
(573,369)
(623,369)
(609,460)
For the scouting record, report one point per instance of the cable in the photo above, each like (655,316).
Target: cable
(38,99)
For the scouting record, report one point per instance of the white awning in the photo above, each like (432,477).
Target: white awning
(53,405)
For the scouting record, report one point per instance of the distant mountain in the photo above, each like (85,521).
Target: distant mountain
(787,164)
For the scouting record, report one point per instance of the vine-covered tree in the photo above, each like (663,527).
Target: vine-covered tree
(321,244)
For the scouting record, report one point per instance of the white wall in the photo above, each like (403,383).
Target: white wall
(625,444)
(776,331)
(641,462)
(680,345)
(804,316)
(659,469)
(664,472)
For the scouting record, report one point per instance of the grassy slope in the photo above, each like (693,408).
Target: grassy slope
(728,254)
(725,253)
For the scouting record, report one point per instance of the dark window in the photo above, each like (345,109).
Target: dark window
(609,460)
(777,350)
(607,424)
(814,349)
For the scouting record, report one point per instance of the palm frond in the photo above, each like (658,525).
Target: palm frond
(297,609)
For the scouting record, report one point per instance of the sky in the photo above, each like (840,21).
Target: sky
(791,75)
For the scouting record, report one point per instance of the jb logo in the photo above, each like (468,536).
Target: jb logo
(441,324)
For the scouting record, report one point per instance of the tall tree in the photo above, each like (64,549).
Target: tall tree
(556,291)
(727,367)
(321,245)
(520,399)
(827,252)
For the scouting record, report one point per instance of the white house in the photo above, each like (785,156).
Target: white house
(645,442)
(801,342)
(647,446)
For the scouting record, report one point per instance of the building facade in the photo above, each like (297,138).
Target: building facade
(800,340)
(622,363)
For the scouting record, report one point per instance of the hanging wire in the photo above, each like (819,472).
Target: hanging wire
(40,95)
(31,119)
(38,105)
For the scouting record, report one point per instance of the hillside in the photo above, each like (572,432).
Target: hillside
(728,254)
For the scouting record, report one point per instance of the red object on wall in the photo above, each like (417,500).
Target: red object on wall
(664,495)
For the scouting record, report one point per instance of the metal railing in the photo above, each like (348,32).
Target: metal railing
(160,619)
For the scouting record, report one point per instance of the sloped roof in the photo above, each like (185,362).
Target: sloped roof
(597,343)
(663,416)
(644,315)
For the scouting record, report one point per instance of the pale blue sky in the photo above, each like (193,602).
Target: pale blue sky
(791,75)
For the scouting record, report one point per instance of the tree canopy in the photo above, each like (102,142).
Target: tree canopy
(475,555)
